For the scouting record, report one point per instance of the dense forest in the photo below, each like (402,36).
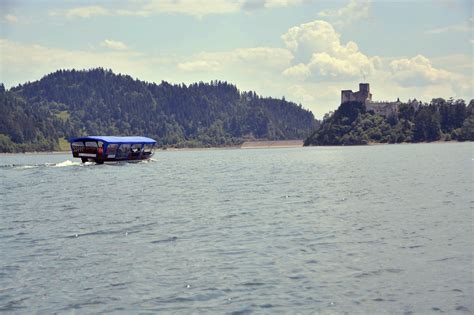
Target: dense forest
(442,119)
(39,116)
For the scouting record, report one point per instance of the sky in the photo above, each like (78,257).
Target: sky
(306,51)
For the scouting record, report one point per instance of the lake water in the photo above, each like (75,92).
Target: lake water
(374,229)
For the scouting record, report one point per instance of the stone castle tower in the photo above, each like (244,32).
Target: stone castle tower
(364,96)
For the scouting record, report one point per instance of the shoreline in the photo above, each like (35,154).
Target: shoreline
(374,144)
(264,144)
(250,145)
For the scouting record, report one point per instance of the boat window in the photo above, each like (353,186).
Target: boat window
(123,151)
(148,148)
(77,144)
(137,147)
(92,144)
(112,149)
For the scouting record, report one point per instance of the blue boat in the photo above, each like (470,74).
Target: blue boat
(102,149)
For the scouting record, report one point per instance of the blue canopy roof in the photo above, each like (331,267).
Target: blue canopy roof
(109,139)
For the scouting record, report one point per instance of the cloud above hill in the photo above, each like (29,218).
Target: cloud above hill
(353,12)
(82,12)
(417,71)
(114,44)
(318,48)
(196,8)
(241,59)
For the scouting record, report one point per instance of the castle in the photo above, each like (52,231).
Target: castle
(364,96)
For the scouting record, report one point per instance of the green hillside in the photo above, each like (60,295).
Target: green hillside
(352,124)
(36,116)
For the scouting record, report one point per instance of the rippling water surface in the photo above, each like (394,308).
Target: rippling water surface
(375,229)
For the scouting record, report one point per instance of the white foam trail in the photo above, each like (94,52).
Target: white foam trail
(61,164)
(24,167)
(67,163)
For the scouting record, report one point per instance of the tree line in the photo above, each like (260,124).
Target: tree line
(35,116)
(352,124)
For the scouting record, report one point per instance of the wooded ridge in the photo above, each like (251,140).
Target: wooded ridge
(40,115)
(352,124)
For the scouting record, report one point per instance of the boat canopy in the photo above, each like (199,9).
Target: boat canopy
(117,140)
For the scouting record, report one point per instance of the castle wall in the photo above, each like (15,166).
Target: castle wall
(360,96)
(347,96)
(383,108)
(364,96)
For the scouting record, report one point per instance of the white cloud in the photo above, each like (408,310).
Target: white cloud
(313,36)
(417,71)
(318,44)
(82,12)
(346,66)
(114,44)
(320,97)
(466,26)
(250,5)
(274,58)
(22,62)
(298,72)
(198,65)
(354,11)
(242,59)
(10,18)
(196,8)
(302,94)
(458,63)
(376,62)
(282,3)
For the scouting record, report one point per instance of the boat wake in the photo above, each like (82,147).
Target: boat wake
(150,160)
(66,163)
(71,163)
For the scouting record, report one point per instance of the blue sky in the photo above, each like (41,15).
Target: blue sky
(304,50)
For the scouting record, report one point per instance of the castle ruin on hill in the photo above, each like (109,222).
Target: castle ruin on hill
(364,96)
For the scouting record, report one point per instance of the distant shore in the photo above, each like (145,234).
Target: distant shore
(258,144)
(272,144)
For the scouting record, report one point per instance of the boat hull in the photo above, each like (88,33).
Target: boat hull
(102,161)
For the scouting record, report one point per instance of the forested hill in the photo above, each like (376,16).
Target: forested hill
(352,124)
(40,115)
